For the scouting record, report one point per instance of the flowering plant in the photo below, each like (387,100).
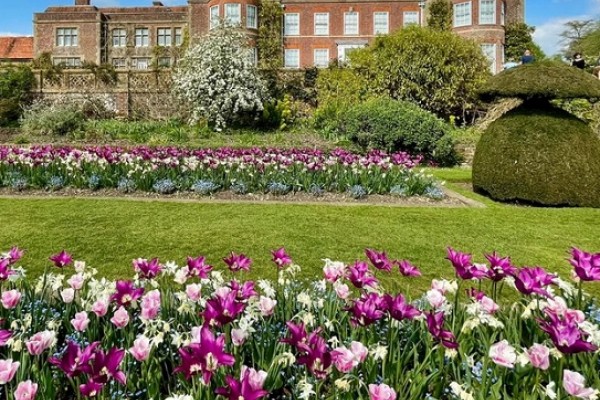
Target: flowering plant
(199,331)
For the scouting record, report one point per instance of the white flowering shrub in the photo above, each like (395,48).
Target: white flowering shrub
(219,80)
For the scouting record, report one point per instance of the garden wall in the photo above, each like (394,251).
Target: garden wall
(134,91)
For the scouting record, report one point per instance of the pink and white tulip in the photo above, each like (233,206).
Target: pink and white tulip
(10,299)
(26,390)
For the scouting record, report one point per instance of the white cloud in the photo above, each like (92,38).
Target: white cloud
(14,34)
(106,3)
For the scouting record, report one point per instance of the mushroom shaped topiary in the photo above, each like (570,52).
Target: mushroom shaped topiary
(538,153)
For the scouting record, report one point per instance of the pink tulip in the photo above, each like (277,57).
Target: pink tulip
(81,321)
(67,295)
(266,306)
(100,307)
(539,356)
(574,384)
(503,354)
(76,281)
(150,305)
(333,271)
(238,336)
(341,290)
(488,305)
(141,348)
(435,298)
(10,299)
(120,318)
(381,392)
(40,342)
(26,390)
(193,291)
(343,359)
(8,369)
(359,350)
(256,379)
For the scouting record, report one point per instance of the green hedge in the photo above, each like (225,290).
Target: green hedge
(393,125)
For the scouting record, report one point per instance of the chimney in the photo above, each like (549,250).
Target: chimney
(82,2)
(158,4)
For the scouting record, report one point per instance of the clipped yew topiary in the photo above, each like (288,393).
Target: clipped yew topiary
(538,153)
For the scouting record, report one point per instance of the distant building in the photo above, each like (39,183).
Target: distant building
(315,31)
(16,49)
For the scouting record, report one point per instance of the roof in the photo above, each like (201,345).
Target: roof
(16,48)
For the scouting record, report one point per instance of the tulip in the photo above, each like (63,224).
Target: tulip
(333,270)
(238,262)
(238,336)
(10,299)
(407,269)
(435,325)
(249,387)
(100,307)
(5,335)
(147,269)
(586,265)
(281,258)
(343,359)
(266,306)
(500,267)
(379,260)
(399,308)
(40,342)
(435,298)
(341,290)
(76,281)
(15,254)
(222,309)
(91,388)
(315,355)
(8,369)
(75,360)
(105,366)
(198,268)
(5,270)
(534,281)
(61,259)
(126,293)
(574,384)
(381,392)
(150,305)
(141,348)
(367,310)
(360,276)
(503,354)
(26,390)
(539,356)
(297,334)
(193,291)
(67,295)
(81,321)
(120,318)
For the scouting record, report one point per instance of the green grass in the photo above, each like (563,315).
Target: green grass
(108,234)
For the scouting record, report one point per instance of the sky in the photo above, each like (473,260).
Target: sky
(548,16)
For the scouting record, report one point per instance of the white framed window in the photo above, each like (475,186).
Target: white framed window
(178,36)
(291,24)
(119,37)
(321,58)
(233,14)
(410,18)
(462,14)
(140,63)
(67,37)
(345,49)
(322,24)
(142,39)
(67,62)
(163,37)
(351,23)
(251,17)
(381,23)
(503,13)
(215,17)
(253,55)
(164,62)
(119,63)
(489,50)
(292,58)
(487,12)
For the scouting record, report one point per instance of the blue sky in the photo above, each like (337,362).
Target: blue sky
(547,15)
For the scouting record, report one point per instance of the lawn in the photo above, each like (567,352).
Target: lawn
(108,234)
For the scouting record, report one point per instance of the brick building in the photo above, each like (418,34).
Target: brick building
(16,49)
(315,31)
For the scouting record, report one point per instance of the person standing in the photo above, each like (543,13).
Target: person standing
(578,61)
(527,57)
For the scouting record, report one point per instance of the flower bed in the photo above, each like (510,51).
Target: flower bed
(193,332)
(206,171)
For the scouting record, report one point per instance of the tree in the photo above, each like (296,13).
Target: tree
(270,40)
(16,84)
(574,32)
(219,81)
(518,38)
(440,15)
(589,45)
(437,70)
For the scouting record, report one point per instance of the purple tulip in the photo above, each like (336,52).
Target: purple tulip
(126,293)
(360,276)
(565,333)
(197,267)
(91,388)
(147,269)
(534,280)
(75,360)
(61,259)
(463,265)
(399,308)
(281,258)
(5,270)
(249,387)
(435,325)
(204,357)
(15,254)
(586,265)
(500,267)
(243,292)
(238,262)
(297,334)
(368,309)
(407,269)
(221,310)
(5,335)
(379,260)
(315,355)
(105,366)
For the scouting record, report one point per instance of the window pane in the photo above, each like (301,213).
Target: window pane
(292,58)
(487,11)
(233,14)
(462,14)
(321,24)
(292,24)
(251,21)
(321,58)
(411,18)
(381,23)
(351,23)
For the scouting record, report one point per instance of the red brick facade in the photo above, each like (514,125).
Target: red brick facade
(315,31)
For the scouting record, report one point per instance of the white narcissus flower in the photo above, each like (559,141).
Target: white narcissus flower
(459,392)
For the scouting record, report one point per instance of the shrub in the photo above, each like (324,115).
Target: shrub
(15,92)
(44,118)
(397,125)
(541,155)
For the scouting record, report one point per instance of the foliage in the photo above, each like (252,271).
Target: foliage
(574,33)
(542,80)
(583,109)
(279,114)
(343,336)
(104,73)
(50,71)
(518,38)
(539,154)
(270,39)
(219,81)
(439,71)
(43,118)
(394,125)
(16,84)
(171,131)
(440,15)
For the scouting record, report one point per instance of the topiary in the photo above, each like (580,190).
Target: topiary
(539,153)
(392,125)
